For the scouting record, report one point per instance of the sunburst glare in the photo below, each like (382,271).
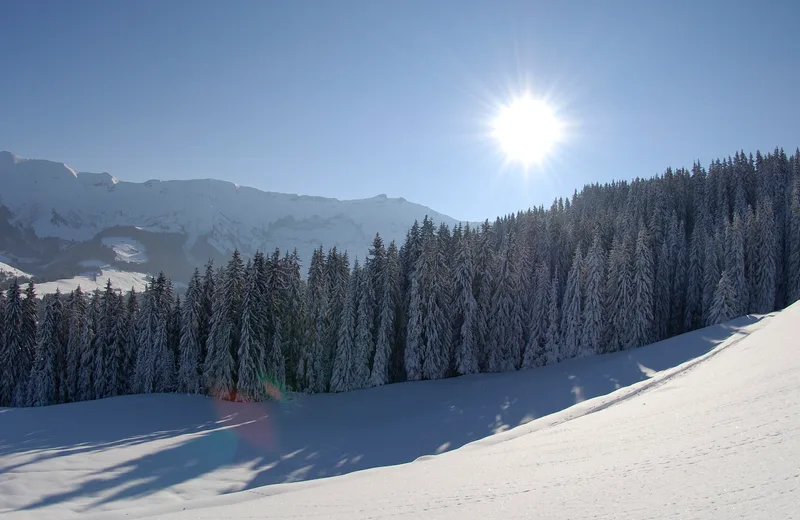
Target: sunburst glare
(527,130)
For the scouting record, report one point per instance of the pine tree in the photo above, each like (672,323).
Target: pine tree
(343,377)
(642,311)
(711,275)
(77,305)
(189,374)
(466,308)
(621,286)
(27,337)
(572,317)
(205,308)
(363,341)
(552,340)
(414,334)
(735,265)
(43,389)
(131,345)
(85,386)
(219,365)
(723,308)
(435,299)
(276,363)
(103,339)
(252,351)
(310,366)
(12,360)
(793,265)
(387,318)
(593,310)
(766,268)
(694,281)
(535,351)
(678,251)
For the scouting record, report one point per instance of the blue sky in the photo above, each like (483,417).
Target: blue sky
(351,99)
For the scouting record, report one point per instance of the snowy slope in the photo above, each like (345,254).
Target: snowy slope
(124,280)
(8,272)
(54,201)
(704,425)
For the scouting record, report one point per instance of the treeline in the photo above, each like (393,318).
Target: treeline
(617,266)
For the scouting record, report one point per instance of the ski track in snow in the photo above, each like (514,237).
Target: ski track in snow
(704,425)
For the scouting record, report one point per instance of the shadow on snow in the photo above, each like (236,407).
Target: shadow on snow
(315,436)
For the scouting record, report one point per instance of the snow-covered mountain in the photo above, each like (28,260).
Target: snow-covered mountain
(702,425)
(56,222)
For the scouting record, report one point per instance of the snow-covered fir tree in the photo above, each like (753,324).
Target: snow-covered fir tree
(44,381)
(535,350)
(190,349)
(766,267)
(385,340)
(219,370)
(344,376)
(642,311)
(252,350)
(363,344)
(723,308)
(552,339)
(593,319)
(466,307)
(572,313)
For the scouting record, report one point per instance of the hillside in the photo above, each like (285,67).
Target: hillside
(698,425)
(56,222)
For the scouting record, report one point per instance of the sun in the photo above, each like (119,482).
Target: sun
(527,130)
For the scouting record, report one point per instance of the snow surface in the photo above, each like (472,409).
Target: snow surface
(56,201)
(126,249)
(123,280)
(7,271)
(705,425)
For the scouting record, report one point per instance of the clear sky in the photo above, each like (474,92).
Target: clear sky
(351,99)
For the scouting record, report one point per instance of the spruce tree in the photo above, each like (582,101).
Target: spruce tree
(387,318)
(723,307)
(252,351)
(219,364)
(465,308)
(14,344)
(766,268)
(131,344)
(362,340)
(27,337)
(735,265)
(535,350)
(593,310)
(572,314)
(343,376)
(190,350)
(43,389)
(552,341)
(793,264)
(275,368)
(85,385)
(694,281)
(642,311)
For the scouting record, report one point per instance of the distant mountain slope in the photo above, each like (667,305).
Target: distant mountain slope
(53,218)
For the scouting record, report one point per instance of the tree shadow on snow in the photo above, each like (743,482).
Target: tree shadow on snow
(315,436)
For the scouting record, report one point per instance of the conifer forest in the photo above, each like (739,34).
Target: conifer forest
(614,267)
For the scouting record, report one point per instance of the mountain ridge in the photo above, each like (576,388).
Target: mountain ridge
(50,209)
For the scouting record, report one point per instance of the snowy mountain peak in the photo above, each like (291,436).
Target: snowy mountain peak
(179,223)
